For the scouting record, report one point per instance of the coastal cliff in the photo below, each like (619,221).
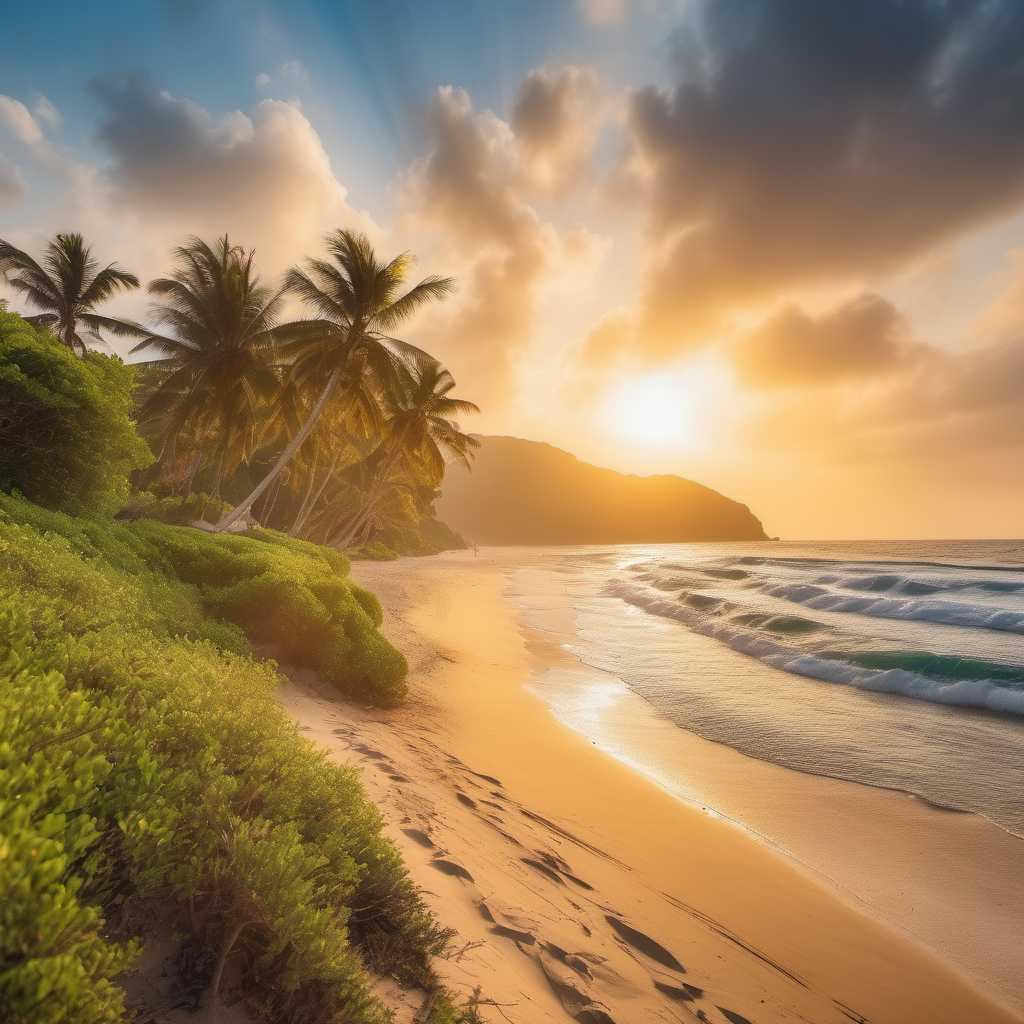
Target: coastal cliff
(528,492)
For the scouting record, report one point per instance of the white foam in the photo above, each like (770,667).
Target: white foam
(945,613)
(981,693)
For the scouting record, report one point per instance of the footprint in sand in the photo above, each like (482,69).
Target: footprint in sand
(543,869)
(686,994)
(732,1016)
(514,934)
(418,836)
(645,944)
(449,867)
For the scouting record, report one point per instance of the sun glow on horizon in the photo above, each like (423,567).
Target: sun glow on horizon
(656,409)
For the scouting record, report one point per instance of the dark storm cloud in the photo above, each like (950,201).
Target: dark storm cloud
(816,140)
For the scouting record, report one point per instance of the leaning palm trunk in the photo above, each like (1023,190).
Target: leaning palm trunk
(374,493)
(312,498)
(292,448)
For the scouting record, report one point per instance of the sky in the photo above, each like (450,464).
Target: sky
(775,246)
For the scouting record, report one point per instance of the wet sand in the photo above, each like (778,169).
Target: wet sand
(580,888)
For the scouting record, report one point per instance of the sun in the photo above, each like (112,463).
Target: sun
(653,409)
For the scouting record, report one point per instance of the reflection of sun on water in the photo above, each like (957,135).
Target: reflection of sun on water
(655,409)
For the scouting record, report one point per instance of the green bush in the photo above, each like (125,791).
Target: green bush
(66,436)
(145,768)
(291,597)
(288,596)
(174,509)
(373,552)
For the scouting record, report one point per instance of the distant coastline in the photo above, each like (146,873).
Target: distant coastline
(531,493)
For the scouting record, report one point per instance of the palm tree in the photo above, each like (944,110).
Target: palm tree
(68,286)
(358,301)
(420,440)
(219,369)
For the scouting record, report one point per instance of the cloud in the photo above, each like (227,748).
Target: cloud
(15,116)
(864,337)
(810,141)
(1003,316)
(935,409)
(295,70)
(555,119)
(263,80)
(603,12)
(13,187)
(467,192)
(47,111)
(263,177)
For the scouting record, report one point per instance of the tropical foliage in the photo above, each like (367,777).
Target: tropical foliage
(68,285)
(218,377)
(66,439)
(347,352)
(146,770)
(328,427)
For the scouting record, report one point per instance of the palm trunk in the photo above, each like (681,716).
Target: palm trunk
(292,448)
(311,500)
(307,497)
(365,510)
(192,475)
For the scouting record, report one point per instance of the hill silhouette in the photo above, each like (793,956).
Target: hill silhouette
(528,492)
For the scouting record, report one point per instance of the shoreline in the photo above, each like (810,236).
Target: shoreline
(578,885)
(946,878)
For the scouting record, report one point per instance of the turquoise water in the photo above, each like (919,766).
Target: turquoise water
(893,664)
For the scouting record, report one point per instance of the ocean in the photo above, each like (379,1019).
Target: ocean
(897,665)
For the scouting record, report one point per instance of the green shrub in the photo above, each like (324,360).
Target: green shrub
(66,436)
(173,509)
(144,768)
(373,552)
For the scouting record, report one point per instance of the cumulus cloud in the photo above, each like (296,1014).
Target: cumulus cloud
(263,80)
(13,187)
(819,140)
(468,192)
(15,116)
(865,337)
(555,119)
(263,177)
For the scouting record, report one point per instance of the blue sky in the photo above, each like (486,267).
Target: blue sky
(362,70)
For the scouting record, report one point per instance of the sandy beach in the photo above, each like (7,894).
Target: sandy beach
(578,886)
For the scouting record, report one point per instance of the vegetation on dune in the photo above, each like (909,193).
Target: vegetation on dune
(144,764)
(66,440)
(146,770)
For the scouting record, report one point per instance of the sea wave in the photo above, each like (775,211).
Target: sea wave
(806,647)
(946,613)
